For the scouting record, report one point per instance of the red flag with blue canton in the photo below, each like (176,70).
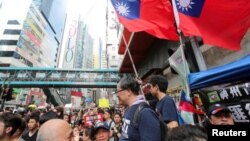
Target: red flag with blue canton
(152,16)
(186,105)
(219,22)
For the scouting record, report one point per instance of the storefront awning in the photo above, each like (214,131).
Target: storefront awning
(138,47)
(232,72)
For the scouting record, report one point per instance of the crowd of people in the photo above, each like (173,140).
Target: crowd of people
(56,125)
(132,122)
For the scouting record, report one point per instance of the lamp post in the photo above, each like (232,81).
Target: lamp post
(1,97)
(2,93)
(2,89)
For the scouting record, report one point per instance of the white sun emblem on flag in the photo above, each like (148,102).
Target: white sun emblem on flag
(184,4)
(122,9)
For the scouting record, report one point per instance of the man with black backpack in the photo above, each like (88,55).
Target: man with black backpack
(146,126)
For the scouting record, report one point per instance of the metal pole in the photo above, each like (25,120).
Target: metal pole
(182,45)
(194,45)
(198,55)
(131,59)
(129,54)
(2,87)
(1,97)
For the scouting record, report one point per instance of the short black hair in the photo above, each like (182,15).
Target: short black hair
(35,117)
(110,111)
(90,133)
(11,120)
(187,133)
(159,80)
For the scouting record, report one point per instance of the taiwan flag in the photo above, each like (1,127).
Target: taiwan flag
(152,16)
(186,108)
(219,22)
(186,105)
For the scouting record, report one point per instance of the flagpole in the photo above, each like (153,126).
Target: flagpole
(131,59)
(129,54)
(182,44)
(197,53)
(201,63)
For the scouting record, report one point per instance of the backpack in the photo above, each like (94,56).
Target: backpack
(110,123)
(136,118)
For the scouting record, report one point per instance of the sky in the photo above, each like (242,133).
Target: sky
(92,11)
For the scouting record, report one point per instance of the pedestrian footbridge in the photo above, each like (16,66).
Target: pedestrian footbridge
(58,78)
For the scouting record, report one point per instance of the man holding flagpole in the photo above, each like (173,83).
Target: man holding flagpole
(165,106)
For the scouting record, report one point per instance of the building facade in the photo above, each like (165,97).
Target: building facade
(26,37)
(28,33)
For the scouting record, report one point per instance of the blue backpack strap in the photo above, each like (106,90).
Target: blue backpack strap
(137,113)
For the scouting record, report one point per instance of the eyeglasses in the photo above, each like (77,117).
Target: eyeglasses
(117,91)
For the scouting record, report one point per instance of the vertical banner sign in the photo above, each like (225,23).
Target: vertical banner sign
(178,64)
(70,46)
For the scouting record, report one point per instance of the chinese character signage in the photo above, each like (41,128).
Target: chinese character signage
(235,97)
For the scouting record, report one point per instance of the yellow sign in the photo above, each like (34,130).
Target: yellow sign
(32,106)
(103,103)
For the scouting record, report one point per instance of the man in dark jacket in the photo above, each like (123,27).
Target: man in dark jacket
(128,94)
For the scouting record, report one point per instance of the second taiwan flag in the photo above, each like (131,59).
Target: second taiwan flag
(219,22)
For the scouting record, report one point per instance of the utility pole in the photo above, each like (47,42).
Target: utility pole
(1,97)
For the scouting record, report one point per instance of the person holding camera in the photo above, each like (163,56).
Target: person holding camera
(110,122)
(118,126)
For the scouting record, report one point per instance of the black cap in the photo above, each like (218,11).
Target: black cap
(215,108)
(99,125)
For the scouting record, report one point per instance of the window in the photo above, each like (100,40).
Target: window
(8,42)
(6,53)
(12,31)
(4,65)
(16,56)
(15,22)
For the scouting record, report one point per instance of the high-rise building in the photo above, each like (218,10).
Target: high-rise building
(104,63)
(26,37)
(79,47)
(88,50)
(31,32)
(54,12)
(113,37)
(97,49)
